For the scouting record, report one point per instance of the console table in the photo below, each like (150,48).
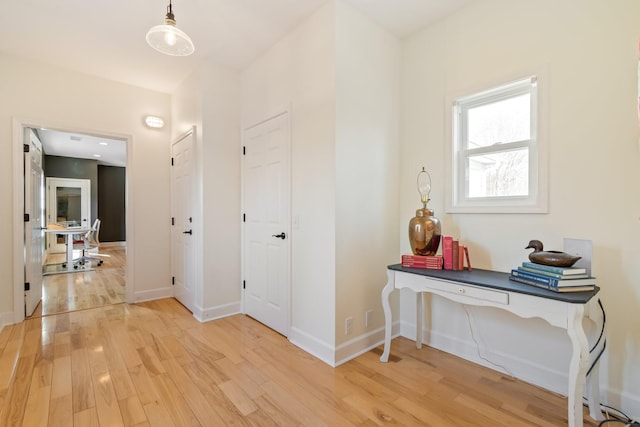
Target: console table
(494,289)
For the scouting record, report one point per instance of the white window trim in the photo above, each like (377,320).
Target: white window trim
(538,156)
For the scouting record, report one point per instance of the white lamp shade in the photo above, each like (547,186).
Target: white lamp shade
(170,40)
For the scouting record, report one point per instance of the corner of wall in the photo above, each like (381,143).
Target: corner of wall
(218,312)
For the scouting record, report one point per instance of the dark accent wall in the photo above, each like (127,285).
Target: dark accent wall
(111,203)
(70,167)
(107,191)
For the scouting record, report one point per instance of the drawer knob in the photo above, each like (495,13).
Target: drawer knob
(461,290)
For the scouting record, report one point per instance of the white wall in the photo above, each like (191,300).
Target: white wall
(42,94)
(367,171)
(299,73)
(209,99)
(589,48)
(221,177)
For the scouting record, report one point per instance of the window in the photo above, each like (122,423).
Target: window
(495,151)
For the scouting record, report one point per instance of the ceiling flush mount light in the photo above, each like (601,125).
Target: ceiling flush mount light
(154,122)
(168,39)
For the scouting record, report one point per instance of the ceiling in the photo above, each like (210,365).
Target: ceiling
(108,152)
(107,39)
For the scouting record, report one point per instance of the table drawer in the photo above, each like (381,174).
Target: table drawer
(484,294)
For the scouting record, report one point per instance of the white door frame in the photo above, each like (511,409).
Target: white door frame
(19,126)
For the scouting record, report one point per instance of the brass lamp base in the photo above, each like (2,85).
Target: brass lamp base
(424,233)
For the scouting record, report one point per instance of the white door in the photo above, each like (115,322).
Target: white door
(68,200)
(182,239)
(266,202)
(33,234)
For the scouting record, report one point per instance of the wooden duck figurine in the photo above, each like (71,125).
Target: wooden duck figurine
(554,258)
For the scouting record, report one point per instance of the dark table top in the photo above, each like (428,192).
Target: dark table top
(498,280)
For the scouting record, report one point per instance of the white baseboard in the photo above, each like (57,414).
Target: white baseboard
(313,346)
(213,313)
(153,294)
(113,244)
(6,319)
(336,356)
(624,401)
(358,345)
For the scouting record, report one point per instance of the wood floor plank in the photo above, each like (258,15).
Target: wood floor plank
(87,418)
(238,397)
(132,411)
(81,381)
(192,394)
(37,407)
(10,355)
(157,415)
(174,402)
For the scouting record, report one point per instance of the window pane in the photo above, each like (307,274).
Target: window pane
(501,174)
(499,122)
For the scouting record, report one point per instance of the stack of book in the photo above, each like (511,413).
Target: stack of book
(433,262)
(557,279)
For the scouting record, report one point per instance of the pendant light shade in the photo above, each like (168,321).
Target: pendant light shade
(169,39)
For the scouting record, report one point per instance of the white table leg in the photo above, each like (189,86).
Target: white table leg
(69,240)
(388,319)
(419,318)
(578,364)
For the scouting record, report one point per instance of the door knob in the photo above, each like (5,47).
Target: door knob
(280,236)
(187,232)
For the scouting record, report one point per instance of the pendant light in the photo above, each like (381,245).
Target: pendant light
(169,39)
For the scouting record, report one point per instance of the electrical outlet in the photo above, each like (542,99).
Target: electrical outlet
(347,325)
(368,318)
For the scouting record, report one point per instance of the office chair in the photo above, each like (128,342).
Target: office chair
(88,243)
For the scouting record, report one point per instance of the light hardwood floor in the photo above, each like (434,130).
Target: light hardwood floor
(105,285)
(153,364)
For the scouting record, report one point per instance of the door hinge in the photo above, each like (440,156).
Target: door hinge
(172,161)
(25,148)
(27,286)
(173,280)
(173,221)
(244,284)
(27,218)
(244,217)
(244,150)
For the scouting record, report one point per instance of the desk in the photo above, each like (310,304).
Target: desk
(494,289)
(68,233)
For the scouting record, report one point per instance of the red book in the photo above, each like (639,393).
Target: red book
(455,255)
(447,252)
(466,254)
(461,257)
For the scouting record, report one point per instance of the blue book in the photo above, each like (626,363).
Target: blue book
(551,281)
(557,276)
(557,270)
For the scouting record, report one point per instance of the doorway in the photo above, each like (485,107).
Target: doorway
(68,201)
(120,255)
